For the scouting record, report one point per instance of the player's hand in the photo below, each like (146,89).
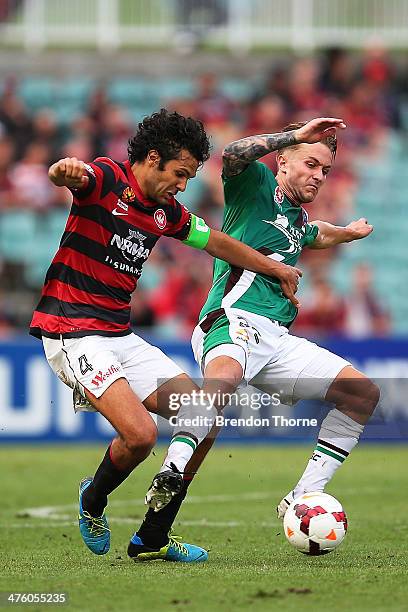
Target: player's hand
(318,129)
(359,229)
(289,281)
(68,172)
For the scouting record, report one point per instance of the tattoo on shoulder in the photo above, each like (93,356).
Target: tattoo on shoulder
(239,154)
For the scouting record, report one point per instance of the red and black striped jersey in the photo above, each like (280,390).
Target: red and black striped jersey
(110,233)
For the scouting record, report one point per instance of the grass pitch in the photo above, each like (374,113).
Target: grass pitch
(231,511)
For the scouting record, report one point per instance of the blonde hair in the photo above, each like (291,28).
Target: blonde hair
(330,141)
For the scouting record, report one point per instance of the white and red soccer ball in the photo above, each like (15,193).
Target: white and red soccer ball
(315,523)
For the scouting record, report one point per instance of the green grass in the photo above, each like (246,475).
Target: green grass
(251,565)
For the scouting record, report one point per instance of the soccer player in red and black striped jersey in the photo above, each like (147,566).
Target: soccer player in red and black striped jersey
(119,212)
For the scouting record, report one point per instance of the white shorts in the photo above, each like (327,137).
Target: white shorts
(272,360)
(95,362)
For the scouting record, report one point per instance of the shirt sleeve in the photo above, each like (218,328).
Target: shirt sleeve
(102,176)
(311,230)
(239,189)
(180,225)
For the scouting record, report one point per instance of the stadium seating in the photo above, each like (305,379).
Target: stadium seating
(383,199)
(29,239)
(18,235)
(38,92)
(68,96)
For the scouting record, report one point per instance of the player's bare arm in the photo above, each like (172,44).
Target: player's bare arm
(238,254)
(240,153)
(68,172)
(329,235)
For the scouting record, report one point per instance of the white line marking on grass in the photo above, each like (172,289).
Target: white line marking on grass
(22,525)
(124,520)
(61,515)
(54,512)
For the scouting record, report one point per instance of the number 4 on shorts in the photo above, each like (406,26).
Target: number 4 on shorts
(84,365)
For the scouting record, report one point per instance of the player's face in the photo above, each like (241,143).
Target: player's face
(165,184)
(304,170)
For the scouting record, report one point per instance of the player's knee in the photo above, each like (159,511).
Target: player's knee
(140,442)
(372,396)
(366,397)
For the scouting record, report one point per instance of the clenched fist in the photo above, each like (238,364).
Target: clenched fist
(359,229)
(68,172)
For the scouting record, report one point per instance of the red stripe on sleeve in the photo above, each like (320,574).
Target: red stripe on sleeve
(183,222)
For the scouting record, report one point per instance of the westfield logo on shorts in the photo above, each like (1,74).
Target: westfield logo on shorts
(100,377)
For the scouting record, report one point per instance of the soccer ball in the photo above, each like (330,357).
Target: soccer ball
(315,523)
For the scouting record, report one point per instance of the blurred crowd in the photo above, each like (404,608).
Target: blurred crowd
(366,90)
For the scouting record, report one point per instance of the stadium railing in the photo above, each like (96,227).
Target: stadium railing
(231,24)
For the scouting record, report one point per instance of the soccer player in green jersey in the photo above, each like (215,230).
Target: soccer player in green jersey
(243,333)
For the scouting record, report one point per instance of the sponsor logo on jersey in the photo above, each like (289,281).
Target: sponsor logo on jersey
(124,209)
(281,221)
(132,247)
(160,218)
(136,270)
(128,195)
(278,196)
(293,235)
(117,213)
(100,377)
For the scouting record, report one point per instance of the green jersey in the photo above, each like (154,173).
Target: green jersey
(259,214)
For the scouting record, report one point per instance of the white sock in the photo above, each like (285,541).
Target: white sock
(194,421)
(338,436)
(179,452)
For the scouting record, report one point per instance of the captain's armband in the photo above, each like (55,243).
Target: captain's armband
(199,233)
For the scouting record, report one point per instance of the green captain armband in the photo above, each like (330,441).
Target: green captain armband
(199,233)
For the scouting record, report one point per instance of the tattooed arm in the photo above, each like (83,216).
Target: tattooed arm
(239,154)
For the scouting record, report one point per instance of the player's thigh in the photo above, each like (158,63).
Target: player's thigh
(126,413)
(166,399)
(299,370)
(223,374)
(218,342)
(152,375)
(222,361)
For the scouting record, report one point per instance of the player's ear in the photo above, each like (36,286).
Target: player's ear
(281,161)
(153,158)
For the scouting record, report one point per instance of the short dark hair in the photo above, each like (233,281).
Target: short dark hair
(330,141)
(168,133)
